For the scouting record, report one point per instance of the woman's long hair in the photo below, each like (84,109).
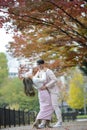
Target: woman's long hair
(28,87)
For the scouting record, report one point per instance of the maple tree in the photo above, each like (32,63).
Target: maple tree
(54,29)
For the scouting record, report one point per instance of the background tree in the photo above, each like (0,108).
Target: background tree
(76,91)
(83,67)
(3,68)
(12,95)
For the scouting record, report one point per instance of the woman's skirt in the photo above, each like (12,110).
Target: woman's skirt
(46,108)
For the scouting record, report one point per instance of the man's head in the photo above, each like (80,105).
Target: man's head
(40,63)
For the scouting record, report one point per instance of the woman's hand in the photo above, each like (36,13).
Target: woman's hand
(30,76)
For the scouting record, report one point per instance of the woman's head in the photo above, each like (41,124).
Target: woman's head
(28,87)
(34,71)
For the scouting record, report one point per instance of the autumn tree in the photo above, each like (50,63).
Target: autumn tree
(53,29)
(76,91)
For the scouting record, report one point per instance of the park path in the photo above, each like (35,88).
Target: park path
(76,125)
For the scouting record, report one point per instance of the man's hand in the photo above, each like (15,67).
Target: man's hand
(43,88)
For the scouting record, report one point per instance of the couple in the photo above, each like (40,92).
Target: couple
(45,81)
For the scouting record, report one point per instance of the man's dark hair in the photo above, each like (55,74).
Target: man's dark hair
(39,62)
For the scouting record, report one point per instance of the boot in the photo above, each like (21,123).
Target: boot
(42,124)
(36,123)
(48,124)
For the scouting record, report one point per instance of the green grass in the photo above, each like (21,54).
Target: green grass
(82,117)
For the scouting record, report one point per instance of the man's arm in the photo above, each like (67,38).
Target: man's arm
(52,78)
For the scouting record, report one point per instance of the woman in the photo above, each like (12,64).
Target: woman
(46,109)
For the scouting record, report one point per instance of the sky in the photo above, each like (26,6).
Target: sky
(4,39)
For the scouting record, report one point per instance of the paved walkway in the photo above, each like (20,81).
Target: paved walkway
(77,125)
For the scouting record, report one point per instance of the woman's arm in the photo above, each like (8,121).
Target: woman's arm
(39,81)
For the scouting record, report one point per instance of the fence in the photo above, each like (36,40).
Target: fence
(10,117)
(69,116)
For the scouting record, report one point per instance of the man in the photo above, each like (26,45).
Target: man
(51,86)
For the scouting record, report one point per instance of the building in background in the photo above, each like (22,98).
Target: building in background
(13,72)
(13,66)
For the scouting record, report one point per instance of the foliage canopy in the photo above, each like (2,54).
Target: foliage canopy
(54,29)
